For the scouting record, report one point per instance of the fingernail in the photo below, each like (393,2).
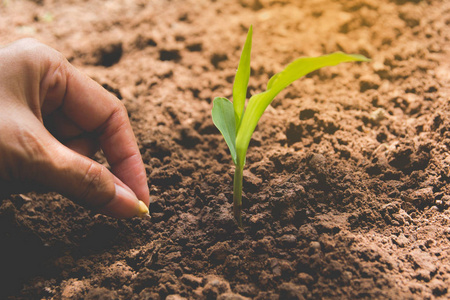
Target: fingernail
(125,204)
(123,193)
(142,209)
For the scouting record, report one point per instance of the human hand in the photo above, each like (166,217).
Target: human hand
(52,118)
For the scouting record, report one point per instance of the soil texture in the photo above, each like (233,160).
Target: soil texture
(347,181)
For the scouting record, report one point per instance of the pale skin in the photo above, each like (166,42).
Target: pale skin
(52,119)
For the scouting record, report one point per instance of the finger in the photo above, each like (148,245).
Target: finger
(123,154)
(93,109)
(119,182)
(86,146)
(61,127)
(83,180)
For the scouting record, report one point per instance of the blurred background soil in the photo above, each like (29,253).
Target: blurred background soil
(347,183)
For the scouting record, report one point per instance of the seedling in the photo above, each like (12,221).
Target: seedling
(237,123)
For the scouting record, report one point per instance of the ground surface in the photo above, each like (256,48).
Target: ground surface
(347,183)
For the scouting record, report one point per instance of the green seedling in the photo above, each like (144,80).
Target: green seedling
(237,122)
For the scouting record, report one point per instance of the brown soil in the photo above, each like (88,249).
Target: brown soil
(347,183)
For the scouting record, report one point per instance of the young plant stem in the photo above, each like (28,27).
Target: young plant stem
(237,193)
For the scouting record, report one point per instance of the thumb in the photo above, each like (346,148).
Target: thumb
(87,182)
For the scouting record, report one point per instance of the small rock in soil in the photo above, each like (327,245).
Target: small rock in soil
(315,246)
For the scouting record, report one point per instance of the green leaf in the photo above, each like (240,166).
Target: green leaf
(302,66)
(259,102)
(272,80)
(241,79)
(223,118)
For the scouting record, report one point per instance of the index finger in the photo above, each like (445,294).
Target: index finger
(94,109)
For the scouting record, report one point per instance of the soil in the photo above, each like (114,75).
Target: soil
(347,182)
